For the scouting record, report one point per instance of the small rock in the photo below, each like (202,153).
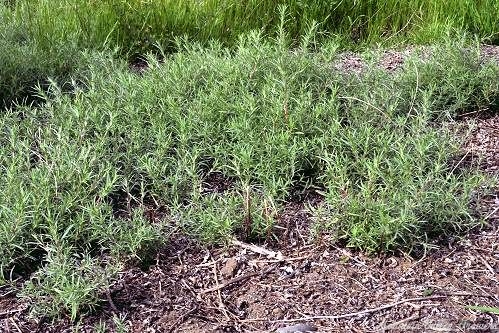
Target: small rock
(299,328)
(277,313)
(392,262)
(230,268)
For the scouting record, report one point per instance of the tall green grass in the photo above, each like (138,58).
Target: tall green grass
(136,25)
(41,38)
(26,62)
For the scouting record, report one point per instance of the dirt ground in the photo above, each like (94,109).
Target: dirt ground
(304,283)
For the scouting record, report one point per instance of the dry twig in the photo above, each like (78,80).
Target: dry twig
(347,315)
(7,313)
(110,301)
(258,249)
(182,318)
(221,304)
(15,325)
(396,324)
(237,279)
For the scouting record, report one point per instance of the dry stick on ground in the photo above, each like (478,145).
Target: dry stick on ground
(190,289)
(269,261)
(491,213)
(238,279)
(221,304)
(458,293)
(15,325)
(347,315)
(459,163)
(182,318)
(7,313)
(247,219)
(476,285)
(7,293)
(400,322)
(487,265)
(110,301)
(258,249)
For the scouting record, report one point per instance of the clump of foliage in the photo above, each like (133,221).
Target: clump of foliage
(268,116)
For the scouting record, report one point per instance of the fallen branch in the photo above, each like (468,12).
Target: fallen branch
(237,279)
(110,301)
(15,325)
(260,250)
(347,315)
(6,313)
(462,294)
(182,318)
(221,304)
(400,322)
(491,213)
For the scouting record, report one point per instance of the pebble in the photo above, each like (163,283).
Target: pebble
(278,313)
(230,268)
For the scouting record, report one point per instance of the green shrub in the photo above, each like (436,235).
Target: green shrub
(266,117)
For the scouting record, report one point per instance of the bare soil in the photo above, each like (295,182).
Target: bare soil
(304,283)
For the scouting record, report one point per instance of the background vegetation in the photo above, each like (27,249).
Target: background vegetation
(136,25)
(40,38)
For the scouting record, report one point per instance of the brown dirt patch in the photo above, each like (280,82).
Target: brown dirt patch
(393,60)
(194,288)
(484,143)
